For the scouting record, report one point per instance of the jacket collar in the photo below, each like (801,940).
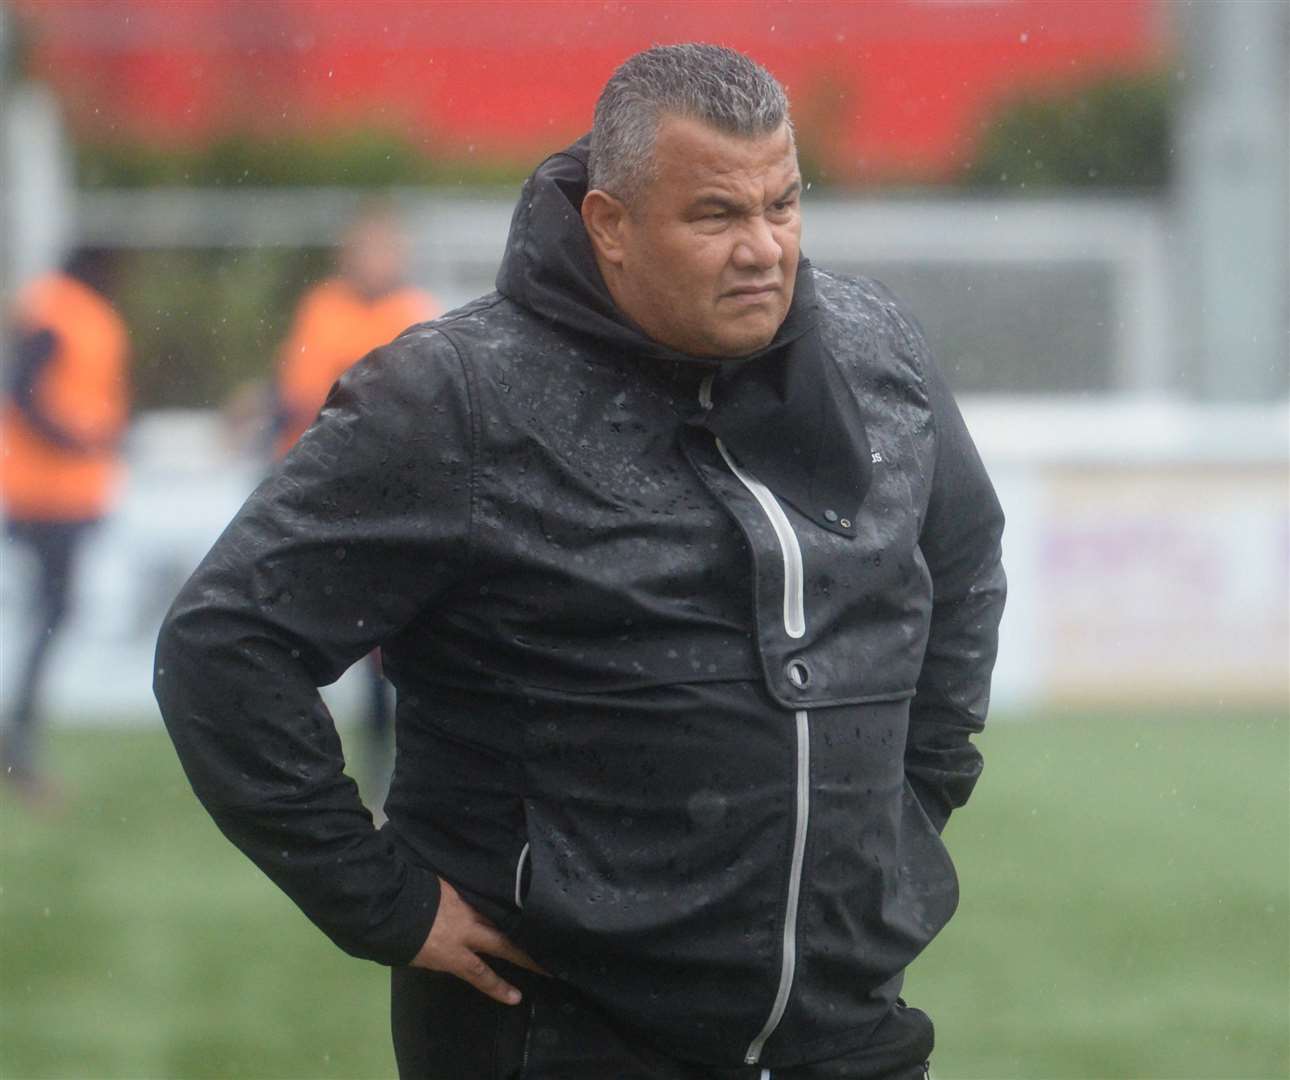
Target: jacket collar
(784,412)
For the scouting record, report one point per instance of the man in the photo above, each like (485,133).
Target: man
(365,304)
(65,412)
(337,322)
(688,577)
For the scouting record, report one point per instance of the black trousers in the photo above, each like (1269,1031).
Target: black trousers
(55,545)
(445,1029)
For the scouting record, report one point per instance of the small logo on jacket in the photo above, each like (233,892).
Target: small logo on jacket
(875,457)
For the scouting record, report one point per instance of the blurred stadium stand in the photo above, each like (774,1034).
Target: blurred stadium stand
(521,75)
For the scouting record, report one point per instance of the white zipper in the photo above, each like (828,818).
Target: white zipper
(788,964)
(794,576)
(794,627)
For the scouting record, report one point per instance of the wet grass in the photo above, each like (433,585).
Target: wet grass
(135,941)
(1125,913)
(1125,903)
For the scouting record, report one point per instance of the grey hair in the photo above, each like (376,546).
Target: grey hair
(715,85)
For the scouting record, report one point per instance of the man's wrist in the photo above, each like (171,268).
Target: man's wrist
(401,937)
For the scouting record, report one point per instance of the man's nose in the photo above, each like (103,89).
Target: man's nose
(757,249)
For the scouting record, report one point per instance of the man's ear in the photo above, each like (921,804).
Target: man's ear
(605,218)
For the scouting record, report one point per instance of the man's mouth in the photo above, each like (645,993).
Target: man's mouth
(753,292)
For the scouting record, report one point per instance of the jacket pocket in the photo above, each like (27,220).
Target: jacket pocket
(929,884)
(523,876)
(515,888)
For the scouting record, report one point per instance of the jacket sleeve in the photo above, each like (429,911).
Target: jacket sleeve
(960,541)
(363,526)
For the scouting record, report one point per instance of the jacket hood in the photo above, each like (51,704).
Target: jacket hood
(783,411)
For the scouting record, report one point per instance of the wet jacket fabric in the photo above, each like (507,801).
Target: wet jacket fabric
(687,736)
(334,326)
(66,403)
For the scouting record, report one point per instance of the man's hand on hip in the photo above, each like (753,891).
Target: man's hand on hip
(458,937)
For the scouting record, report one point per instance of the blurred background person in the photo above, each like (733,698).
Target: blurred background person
(366,303)
(65,412)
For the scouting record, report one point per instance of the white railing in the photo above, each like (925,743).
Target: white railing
(458,241)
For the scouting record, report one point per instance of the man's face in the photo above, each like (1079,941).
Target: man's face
(709,249)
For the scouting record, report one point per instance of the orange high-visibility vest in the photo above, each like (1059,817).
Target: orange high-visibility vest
(335,326)
(82,388)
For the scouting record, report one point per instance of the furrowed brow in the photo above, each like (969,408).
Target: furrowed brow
(793,189)
(717,202)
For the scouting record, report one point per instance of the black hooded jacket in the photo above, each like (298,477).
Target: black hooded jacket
(688,653)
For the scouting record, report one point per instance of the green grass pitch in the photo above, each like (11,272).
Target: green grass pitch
(1125,913)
